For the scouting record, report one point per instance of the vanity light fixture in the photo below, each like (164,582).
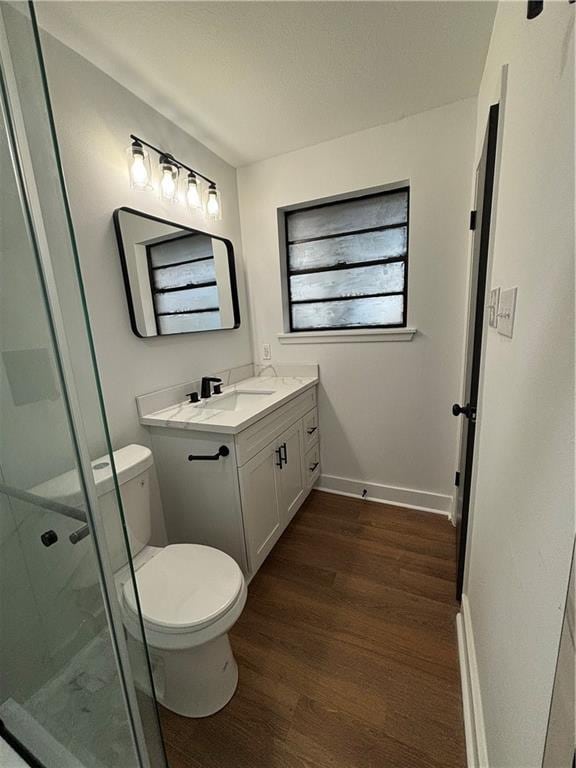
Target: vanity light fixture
(138,165)
(199,193)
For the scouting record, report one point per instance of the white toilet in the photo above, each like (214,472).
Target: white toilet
(190,595)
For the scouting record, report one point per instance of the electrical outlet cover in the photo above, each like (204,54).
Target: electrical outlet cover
(506,312)
(267,352)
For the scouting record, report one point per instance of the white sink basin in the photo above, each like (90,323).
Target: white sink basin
(238,400)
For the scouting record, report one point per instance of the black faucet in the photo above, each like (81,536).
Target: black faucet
(205,388)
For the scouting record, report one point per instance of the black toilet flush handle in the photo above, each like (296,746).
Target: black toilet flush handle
(222,451)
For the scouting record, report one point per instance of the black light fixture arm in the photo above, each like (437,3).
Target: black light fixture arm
(171,157)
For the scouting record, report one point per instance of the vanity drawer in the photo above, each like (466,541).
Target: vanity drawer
(310,428)
(253,439)
(312,465)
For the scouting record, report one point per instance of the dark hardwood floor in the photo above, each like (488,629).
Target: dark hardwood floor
(346,648)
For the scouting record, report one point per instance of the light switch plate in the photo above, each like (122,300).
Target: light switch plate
(493,307)
(506,312)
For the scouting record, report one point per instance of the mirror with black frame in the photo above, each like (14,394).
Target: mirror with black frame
(178,279)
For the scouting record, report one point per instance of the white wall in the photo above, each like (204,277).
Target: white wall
(94,118)
(384,407)
(523,507)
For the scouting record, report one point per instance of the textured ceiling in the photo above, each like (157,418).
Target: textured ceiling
(256,79)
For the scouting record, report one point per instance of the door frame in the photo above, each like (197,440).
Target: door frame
(479,282)
(500,98)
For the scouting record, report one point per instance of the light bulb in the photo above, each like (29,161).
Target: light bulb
(192,192)
(212,203)
(169,179)
(138,166)
(167,184)
(139,171)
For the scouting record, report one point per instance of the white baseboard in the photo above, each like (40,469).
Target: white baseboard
(386,494)
(476,748)
(471,748)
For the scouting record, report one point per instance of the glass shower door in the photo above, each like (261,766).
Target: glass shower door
(68,696)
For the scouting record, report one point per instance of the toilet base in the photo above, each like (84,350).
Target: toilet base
(196,682)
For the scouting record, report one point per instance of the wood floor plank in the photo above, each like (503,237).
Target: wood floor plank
(346,649)
(306,657)
(392,635)
(348,741)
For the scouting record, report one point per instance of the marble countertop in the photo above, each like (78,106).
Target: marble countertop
(271,391)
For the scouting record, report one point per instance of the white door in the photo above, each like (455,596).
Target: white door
(290,476)
(260,504)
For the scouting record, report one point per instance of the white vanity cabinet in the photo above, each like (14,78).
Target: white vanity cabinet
(240,503)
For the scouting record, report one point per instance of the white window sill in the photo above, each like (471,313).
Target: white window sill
(360,335)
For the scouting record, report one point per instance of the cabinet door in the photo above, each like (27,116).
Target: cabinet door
(290,478)
(260,505)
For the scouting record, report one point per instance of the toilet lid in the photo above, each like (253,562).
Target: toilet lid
(185,586)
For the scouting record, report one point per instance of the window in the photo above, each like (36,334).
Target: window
(184,288)
(347,263)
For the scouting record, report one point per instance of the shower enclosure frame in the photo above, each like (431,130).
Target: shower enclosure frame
(28,193)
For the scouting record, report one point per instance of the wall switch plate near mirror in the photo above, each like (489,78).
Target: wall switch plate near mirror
(177,279)
(506,312)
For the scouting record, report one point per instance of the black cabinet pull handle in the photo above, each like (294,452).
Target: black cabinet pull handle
(222,451)
(313,466)
(311,431)
(285,457)
(278,453)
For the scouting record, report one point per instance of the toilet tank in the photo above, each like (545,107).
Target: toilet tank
(132,463)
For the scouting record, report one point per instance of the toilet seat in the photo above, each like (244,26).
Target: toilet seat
(185,588)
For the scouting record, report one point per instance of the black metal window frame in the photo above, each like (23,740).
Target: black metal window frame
(355,265)
(188,287)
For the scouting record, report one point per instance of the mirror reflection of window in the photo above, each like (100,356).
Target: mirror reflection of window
(184,287)
(178,280)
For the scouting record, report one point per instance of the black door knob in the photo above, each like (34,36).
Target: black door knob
(464,410)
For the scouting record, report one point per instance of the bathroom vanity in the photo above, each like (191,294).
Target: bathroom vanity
(235,468)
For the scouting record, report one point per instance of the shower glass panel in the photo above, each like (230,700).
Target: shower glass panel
(75,690)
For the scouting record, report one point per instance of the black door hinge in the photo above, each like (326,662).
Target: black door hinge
(472,219)
(457,479)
